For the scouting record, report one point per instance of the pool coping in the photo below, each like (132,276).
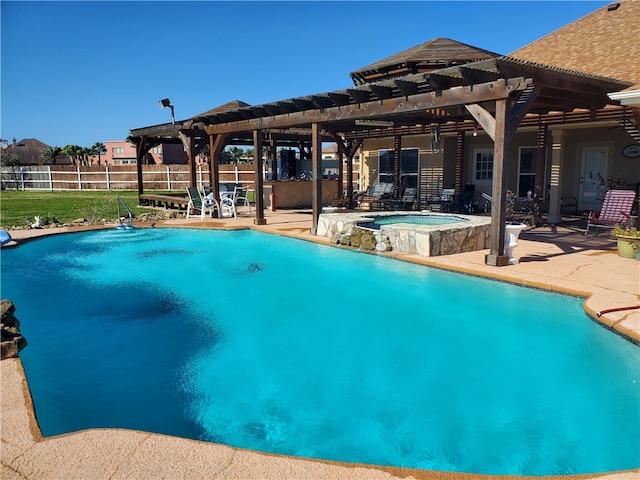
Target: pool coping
(118,453)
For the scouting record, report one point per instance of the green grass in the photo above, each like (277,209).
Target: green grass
(62,207)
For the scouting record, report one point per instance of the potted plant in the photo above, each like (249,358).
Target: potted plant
(628,241)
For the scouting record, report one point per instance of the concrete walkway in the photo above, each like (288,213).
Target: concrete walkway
(554,258)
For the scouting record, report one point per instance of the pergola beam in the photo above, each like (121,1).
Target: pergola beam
(390,106)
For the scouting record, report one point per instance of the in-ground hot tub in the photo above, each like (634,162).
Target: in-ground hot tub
(425,233)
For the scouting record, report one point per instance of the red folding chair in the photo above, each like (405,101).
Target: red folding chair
(616,210)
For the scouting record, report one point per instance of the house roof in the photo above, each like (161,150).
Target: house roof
(432,55)
(605,42)
(28,150)
(232,105)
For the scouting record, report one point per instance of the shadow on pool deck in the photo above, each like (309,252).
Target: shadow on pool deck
(557,258)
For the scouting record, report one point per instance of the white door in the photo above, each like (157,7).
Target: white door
(593,178)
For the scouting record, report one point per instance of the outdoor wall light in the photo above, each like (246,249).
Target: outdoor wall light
(165,102)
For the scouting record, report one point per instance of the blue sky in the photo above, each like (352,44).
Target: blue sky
(81,72)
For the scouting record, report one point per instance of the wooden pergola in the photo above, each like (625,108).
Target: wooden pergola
(499,94)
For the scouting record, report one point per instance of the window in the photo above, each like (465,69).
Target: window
(386,166)
(526,171)
(409,161)
(483,165)
(117,150)
(157,149)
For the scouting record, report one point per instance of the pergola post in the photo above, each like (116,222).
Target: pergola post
(273,157)
(316,162)
(259,187)
(496,254)
(214,171)
(541,166)
(557,160)
(348,149)
(188,143)
(352,148)
(397,160)
(140,153)
(350,182)
(460,150)
(340,173)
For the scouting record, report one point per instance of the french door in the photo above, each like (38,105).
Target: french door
(593,177)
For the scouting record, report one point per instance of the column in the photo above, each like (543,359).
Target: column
(316,188)
(557,163)
(257,166)
(496,256)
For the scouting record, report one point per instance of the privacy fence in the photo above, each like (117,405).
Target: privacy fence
(122,177)
(125,177)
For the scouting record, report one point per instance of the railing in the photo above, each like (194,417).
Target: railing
(121,202)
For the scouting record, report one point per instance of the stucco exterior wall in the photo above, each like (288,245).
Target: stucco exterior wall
(437,169)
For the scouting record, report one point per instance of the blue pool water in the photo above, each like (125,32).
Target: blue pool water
(412,219)
(286,346)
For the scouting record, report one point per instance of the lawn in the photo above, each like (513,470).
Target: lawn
(62,207)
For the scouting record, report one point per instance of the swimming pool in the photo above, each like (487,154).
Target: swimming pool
(143,329)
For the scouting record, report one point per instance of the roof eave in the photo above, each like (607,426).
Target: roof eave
(630,98)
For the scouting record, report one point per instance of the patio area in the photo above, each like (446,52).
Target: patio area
(558,258)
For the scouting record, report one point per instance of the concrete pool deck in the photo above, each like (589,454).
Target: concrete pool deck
(555,258)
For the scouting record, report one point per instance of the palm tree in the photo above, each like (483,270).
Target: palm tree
(98,148)
(235,153)
(85,153)
(51,155)
(74,152)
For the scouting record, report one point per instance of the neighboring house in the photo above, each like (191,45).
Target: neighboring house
(330,163)
(28,150)
(594,155)
(330,152)
(124,153)
(117,153)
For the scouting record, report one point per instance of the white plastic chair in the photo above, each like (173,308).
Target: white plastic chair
(239,197)
(227,207)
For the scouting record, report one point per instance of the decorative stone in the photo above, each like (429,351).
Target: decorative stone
(368,243)
(7,308)
(471,234)
(345,240)
(12,340)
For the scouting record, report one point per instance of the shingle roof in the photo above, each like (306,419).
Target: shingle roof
(28,150)
(605,42)
(434,54)
(232,105)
